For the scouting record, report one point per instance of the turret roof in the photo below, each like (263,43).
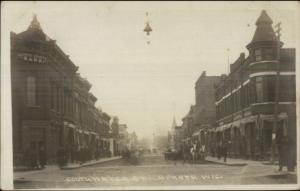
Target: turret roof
(264,30)
(35,24)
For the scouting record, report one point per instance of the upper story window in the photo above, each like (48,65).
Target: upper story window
(270,88)
(259,89)
(287,89)
(31,91)
(258,54)
(264,54)
(52,96)
(268,54)
(77,110)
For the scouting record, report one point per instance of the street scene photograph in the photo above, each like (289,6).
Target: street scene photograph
(150,95)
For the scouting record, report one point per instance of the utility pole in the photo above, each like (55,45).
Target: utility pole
(278,27)
(228,65)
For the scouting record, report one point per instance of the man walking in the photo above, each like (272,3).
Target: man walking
(224,151)
(193,152)
(282,151)
(42,156)
(219,150)
(184,153)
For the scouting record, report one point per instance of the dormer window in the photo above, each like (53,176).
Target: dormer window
(258,55)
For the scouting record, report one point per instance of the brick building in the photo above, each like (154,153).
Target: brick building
(240,108)
(187,126)
(201,118)
(246,97)
(204,116)
(52,105)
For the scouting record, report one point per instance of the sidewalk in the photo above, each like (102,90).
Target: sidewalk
(232,161)
(19,175)
(74,166)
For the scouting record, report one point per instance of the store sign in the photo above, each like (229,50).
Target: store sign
(32,58)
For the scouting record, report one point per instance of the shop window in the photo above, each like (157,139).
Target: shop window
(31,91)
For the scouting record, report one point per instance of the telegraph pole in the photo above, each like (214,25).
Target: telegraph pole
(278,27)
(228,65)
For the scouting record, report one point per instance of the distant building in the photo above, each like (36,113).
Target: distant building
(178,137)
(123,138)
(188,126)
(161,142)
(204,115)
(133,140)
(171,137)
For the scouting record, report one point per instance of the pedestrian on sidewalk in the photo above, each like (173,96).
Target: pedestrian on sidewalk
(61,156)
(213,150)
(199,152)
(219,150)
(185,153)
(292,157)
(33,159)
(193,152)
(283,152)
(203,150)
(42,156)
(224,150)
(26,158)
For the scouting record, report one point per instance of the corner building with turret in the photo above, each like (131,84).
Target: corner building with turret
(52,106)
(246,97)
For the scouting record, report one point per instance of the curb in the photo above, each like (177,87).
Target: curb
(88,164)
(228,164)
(21,180)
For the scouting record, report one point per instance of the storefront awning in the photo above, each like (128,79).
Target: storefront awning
(223,127)
(67,124)
(196,133)
(248,119)
(271,118)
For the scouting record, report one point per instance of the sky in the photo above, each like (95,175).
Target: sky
(146,85)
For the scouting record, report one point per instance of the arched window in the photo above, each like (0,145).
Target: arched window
(31,91)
